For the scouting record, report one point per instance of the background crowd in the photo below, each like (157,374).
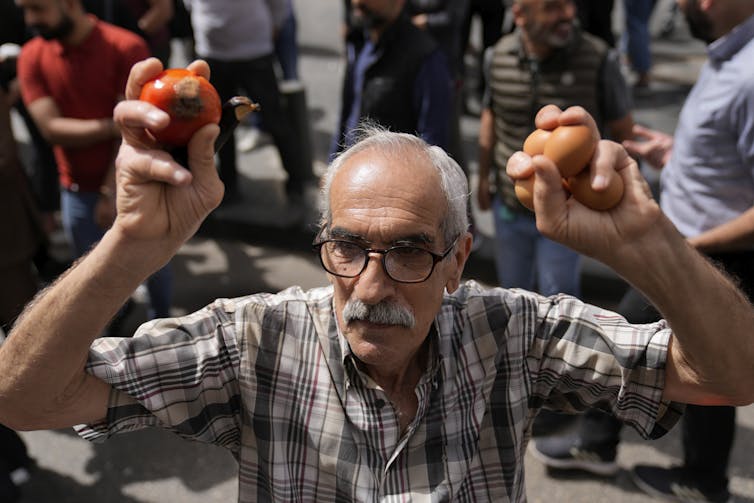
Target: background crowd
(406,67)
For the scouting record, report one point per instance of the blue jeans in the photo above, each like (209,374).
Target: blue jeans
(637,37)
(526,259)
(82,232)
(286,47)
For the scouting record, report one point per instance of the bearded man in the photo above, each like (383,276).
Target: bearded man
(547,59)
(71,77)
(707,191)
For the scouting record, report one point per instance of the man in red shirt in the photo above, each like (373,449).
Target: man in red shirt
(71,77)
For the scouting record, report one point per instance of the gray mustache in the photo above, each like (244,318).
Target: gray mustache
(383,313)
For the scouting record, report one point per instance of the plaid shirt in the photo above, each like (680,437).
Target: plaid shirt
(270,378)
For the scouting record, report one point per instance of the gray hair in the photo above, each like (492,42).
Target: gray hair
(452,178)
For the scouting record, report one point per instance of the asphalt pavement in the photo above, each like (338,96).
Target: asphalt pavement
(261,243)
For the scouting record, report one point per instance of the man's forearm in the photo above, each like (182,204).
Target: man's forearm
(68,132)
(42,362)
(486,142)
(734,235)
(711,320)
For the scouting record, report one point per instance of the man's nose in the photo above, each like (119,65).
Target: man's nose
(373,284)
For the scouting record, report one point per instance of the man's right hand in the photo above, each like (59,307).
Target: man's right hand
(158,199)
(653,146)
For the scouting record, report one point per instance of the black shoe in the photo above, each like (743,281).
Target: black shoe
(568,453)
(548,422)
(8,491)
(674,484)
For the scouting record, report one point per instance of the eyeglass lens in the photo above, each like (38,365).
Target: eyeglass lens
(404,263)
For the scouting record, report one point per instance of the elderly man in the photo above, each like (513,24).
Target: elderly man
(398,380)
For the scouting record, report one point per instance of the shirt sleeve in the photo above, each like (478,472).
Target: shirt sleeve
(583,356)
(742,117)
(433,100)
(179,374)
(131,54)
(30,79)
(279,11)
(487,69)
(614,94)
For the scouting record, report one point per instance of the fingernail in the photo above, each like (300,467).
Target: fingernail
(518,160)
(599,182)
(155,116)
(180,176)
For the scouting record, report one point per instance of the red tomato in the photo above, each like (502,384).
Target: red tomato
(189,99)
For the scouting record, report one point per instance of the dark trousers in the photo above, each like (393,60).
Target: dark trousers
(595,17)
(491,14)
(13,455)
(256,78)
(12,449)
(707,432)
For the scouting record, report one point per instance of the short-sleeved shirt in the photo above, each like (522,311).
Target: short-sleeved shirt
(271,378)
(709,179)
(86,82)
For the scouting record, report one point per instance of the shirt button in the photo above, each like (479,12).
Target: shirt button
(380,403)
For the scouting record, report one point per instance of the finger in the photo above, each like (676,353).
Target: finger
(549,195)
(547,117)
(633,147)
(642,132)
(140,74)
(133,117)
(519,165)
(573,116)
(151,166)
(604,163)
(201,67)
(201,152)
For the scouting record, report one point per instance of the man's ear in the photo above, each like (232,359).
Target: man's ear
(517,11)
(458,261)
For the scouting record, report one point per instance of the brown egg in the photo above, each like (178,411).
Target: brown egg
(535,142)
(570,148)
(580,187)
(524,188)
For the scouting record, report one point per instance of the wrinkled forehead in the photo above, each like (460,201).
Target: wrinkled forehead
(388,192)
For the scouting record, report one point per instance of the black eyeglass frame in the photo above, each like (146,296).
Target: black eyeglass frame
(436,257)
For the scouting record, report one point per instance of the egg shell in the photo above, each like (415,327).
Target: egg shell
(570,148)
(524,188)
(581,189)
(535,142)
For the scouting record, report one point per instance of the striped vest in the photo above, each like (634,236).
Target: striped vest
(521,86)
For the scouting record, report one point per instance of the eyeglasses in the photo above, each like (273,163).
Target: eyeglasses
(404,264)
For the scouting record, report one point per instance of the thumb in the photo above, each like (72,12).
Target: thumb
(201,152)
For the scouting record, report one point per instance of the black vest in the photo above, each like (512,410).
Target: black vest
(387,97)
(521,86)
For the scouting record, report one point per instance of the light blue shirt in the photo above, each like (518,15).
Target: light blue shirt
(709,179)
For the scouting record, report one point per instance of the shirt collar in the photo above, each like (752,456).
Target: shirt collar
(728,45)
